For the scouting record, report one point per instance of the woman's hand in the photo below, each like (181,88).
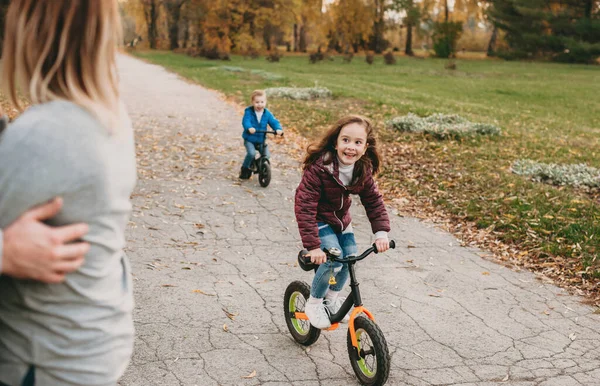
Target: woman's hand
(252,130)
(34,250)
(317,256)
(382,245)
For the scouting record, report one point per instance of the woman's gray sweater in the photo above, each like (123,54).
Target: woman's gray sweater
(79,332)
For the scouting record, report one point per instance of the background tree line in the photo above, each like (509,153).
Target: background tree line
(560,30)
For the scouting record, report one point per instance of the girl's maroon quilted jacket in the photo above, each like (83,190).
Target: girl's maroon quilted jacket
(322,197)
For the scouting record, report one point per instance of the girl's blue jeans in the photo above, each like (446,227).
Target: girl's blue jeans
(251,153)
(344,242)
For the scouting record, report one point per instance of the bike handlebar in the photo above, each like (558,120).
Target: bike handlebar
(267,132)
(307,265)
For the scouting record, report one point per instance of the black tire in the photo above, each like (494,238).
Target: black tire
(296,295)
(371,363)
(264,173)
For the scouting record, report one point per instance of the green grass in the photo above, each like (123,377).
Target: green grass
(547,112)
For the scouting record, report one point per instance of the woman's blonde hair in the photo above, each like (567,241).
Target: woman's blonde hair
(63,49)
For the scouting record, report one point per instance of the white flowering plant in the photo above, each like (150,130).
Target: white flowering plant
(577,175)
(442,126)
(298,93)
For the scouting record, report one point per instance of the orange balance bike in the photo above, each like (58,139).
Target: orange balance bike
(366,344)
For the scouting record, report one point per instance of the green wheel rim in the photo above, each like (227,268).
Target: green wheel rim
(361,361)
(300,329)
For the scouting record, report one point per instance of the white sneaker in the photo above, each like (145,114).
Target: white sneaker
(334,306)
(317,316)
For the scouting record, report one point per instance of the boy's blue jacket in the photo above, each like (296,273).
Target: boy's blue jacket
(250,120)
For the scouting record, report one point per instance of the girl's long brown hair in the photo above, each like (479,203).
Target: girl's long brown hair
(370,160)
(63,49)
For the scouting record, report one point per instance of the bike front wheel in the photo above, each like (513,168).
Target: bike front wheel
(264,173)
(371,359)
(296,295)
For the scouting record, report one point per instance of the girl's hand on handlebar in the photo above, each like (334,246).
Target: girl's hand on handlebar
(382,245)
(252,130)
(317,256)
(279,132)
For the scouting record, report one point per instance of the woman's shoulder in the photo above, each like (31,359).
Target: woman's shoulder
(58,117)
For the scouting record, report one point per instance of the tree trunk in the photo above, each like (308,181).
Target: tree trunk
(408,48)
(302,41)
(589,5)
(174,11)
(446,14)
(378,26)
(491,50)
(295,37)
(186,34)
(151,14)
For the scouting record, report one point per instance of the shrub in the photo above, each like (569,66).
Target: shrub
(389,58)
(274,56)
(577,175)
(316,57)
(348,56)
(445,35)
(370,58)
(442,126)
(307,93)
(450,65)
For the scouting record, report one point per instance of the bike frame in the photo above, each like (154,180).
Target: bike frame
(353,300)
(260,147)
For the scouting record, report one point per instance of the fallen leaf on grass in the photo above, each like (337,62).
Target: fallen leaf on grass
(251,375)
(202,292)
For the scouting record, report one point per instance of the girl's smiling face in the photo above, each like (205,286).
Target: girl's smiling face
(351,143)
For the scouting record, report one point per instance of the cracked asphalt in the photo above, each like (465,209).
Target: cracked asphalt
(212,257)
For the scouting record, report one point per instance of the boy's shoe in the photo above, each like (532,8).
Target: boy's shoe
(317,315)
(245,173)
(334,306)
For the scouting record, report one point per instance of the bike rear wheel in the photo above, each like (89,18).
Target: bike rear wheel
(296,295)
(264,173)
(371,360)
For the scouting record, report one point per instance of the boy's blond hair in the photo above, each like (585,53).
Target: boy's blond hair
(256,93)
(63,50)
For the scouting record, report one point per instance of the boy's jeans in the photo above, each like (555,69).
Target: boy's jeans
(251,153)
(344,242)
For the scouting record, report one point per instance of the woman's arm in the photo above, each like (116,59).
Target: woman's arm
(30,249)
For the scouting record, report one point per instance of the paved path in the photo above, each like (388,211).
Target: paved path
(203,244)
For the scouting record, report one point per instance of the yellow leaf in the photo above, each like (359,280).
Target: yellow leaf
(225,328)
(202,292)
(486,273)
(251,375)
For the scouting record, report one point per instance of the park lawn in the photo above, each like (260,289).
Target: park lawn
(547,112)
